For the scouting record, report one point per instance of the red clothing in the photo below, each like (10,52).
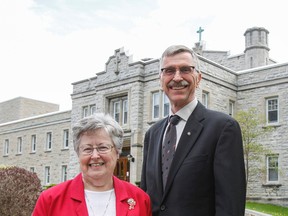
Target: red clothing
(68,198)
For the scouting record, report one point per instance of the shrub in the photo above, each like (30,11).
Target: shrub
(19,191)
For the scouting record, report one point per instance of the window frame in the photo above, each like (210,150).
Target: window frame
(119,109)
(48,146)
(88,110)
(19,145)
(269,169)
(205,98)
(64,173)
(6,147)
(66,138)
(47,175)
(33,143)
(270,122)
(32,169)
(159,105)
(165,108)
(231,108)
(156,105)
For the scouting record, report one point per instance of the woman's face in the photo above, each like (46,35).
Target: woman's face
(97,167)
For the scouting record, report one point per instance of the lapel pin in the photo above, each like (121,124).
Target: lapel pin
(131,202)
(188,133)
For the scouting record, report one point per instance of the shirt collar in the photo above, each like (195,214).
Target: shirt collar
(186,111)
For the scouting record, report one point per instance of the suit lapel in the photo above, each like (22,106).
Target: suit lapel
(187,140)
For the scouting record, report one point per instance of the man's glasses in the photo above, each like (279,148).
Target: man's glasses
(172,70)
(102,149)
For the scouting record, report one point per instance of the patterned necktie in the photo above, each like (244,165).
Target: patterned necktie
(168,148)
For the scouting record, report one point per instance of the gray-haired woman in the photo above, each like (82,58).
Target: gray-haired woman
(98,143)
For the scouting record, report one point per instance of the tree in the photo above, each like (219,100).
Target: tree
(19,190)
(251,126)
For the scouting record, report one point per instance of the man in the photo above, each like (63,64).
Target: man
(207,175)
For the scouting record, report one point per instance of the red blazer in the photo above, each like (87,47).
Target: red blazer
(68,198)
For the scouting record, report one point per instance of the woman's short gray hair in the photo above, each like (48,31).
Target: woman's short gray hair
(95,122)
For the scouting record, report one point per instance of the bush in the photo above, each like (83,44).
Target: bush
(19,191)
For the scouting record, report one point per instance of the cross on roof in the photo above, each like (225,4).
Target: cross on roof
(200,30)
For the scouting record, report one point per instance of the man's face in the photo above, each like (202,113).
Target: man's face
(179,86)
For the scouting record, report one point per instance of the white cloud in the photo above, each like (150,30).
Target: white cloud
(47,45)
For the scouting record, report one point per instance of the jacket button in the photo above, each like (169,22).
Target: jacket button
(163,207)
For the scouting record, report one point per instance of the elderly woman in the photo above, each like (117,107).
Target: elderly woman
(95,191)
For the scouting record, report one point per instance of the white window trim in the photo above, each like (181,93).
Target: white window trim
(156,103)
(48,141)
(19,145)
(267,169)
(47,175)
(206,98)
(232,103)
(64,173)
(66,138)
(267,111)
(6,147)
(33,143)
(119,102)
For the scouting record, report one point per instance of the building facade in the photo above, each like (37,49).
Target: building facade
(131,93)
(38,143)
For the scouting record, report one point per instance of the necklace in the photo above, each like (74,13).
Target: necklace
(106,207)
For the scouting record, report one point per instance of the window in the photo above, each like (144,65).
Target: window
(166,105)
(272,110)
(88,110)
(32,169)
(47,175)
(92,109)
(231,108)
(19,145)
(33,143)
(125,111)
(119,108)
(66,139)
(205,98)
(116,111)
(64,173)
(160,105)
(48,141)
(85,111)
(155,105)
(272,168)
(251,62)
(6,147)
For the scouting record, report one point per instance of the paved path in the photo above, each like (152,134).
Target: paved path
(254,213)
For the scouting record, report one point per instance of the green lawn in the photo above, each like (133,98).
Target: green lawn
(267,208)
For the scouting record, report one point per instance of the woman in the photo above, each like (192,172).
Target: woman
(95,191)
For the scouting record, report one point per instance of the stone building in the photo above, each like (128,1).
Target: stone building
(130,91)
(38,143)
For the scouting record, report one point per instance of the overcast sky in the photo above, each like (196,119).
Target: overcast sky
(45,45)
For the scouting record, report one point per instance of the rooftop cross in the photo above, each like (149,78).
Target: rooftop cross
(200,30)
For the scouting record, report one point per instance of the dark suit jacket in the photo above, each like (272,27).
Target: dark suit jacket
(207,175)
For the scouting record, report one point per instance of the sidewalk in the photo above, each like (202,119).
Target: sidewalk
(249,212)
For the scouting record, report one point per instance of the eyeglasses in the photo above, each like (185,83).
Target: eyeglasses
(172,70)
(102,149)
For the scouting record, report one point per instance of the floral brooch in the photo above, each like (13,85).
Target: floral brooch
(131,202)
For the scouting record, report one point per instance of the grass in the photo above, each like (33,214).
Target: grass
(267,208)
